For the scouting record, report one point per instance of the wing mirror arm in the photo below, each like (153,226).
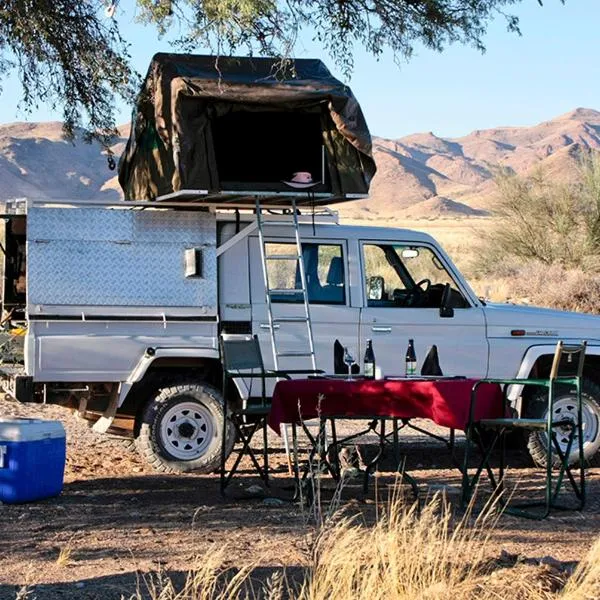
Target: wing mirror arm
(446,311)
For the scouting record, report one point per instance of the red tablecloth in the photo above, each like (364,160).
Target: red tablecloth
(445,402)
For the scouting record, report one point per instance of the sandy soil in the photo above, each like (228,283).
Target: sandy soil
(119,520)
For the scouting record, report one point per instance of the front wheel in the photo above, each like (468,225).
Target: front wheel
(182,427)
(565,406)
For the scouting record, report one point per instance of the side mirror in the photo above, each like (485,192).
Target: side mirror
(375,287)
(446,311)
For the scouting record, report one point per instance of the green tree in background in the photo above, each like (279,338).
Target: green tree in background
(70,54)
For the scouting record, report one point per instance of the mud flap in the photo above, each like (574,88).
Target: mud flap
(106,420)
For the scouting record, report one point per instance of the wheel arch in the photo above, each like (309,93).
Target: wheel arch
(162,371)
(537,362)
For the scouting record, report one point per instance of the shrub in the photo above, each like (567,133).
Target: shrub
(547,222)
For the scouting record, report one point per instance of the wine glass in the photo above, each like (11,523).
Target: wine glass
(349,361)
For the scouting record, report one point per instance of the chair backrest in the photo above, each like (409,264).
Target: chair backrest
(241,354)
(335,274)
(571,350)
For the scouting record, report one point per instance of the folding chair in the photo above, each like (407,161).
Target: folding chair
(549,425)
(242,358)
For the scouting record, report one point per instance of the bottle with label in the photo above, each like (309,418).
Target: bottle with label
(411,359)
(369,361)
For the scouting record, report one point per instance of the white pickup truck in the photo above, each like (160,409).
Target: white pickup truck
(120,326)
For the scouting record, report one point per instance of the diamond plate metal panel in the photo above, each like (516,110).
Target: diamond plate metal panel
(100,257)
(79,224)
(191,227)
(194,228)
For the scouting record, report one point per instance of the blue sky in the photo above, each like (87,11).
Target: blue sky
(551,69)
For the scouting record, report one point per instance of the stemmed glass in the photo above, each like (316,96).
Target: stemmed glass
(349,361)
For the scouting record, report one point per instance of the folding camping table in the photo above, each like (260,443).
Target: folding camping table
(445,401)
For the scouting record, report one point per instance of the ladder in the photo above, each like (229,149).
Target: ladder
(277,322)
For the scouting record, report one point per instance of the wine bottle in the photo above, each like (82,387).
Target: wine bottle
(411,359)
(369,361)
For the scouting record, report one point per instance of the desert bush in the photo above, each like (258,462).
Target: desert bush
(532,282)
(550,223)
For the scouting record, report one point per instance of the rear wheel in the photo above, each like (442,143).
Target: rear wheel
(565,406)
(182,427)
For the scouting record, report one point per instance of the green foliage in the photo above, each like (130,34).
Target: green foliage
(272,27)
(547,222)
(68,54)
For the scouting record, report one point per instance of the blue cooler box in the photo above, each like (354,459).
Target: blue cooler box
(32,459)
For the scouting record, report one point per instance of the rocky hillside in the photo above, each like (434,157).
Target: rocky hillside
(36,162)
(420,175)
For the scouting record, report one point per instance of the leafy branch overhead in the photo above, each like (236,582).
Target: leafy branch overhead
(70,54)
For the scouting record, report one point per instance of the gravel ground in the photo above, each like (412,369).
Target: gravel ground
(117,520)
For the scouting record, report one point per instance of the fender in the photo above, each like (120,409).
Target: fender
(532,355)
(153,354)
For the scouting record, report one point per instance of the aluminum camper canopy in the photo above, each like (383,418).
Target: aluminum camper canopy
(230,128)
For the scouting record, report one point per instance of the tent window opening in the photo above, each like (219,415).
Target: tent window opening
(259,150)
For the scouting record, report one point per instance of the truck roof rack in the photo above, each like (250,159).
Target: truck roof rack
(320,214)
(247,199)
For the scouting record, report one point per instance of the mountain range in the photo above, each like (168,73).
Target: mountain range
(419,175)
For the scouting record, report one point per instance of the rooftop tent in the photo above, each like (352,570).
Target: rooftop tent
(230,128)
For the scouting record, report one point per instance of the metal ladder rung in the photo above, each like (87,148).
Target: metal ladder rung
(286,291)
(280,223)
(283,257)
(295,353)
(290,320)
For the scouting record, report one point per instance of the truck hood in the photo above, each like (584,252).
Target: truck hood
(541,323)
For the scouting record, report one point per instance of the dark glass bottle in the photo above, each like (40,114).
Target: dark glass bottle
(369,361)
(411,359)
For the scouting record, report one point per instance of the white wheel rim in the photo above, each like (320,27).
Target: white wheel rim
(566,408)
(186,430)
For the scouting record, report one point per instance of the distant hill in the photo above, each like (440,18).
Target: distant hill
(420,175)
(424,175)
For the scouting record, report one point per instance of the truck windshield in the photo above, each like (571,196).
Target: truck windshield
(399,275)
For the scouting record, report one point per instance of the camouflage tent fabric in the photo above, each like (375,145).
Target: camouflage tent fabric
(233,123)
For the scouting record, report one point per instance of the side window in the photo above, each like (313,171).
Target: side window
(399,275)
(323,266)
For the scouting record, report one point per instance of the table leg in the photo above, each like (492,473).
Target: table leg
(396,443)
(334,449)
(296,466)
(372,464)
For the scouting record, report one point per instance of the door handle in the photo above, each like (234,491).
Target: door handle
(379,329)
(267,326)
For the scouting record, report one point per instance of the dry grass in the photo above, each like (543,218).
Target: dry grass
(542,285)
(65,555)
(406,555)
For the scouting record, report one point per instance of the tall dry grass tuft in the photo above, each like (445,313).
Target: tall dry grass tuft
(406,555)
(209,579)
(584,584)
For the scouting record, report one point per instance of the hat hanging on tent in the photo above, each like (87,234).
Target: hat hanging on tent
(301,180)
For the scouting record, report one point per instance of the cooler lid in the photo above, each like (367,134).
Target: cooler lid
(29,430)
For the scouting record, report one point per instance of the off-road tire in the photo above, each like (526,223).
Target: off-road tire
(537,441)
(150,442)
